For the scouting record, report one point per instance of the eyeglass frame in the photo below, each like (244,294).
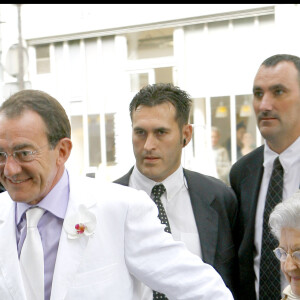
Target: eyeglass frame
(295,259)
(15,157)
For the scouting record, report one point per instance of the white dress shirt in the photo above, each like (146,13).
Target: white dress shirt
(290,161)
(55,205)
(177,204)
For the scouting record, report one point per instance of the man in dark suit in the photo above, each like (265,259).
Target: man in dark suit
(276,102)
(201,210)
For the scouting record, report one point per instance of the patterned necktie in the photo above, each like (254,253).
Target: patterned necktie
(32,257)
(269,285)
(157,191)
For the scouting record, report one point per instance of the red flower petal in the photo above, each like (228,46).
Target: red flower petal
(80,228)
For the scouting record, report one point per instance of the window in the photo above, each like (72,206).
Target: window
(233,118)
(244,123)
(245,117)
(110,138)
(163,75)
(156,75)
(138,80)
(77,139)
(94,137)
(220,118)
(94,140)
(42,59)
(75,72)
(150,43)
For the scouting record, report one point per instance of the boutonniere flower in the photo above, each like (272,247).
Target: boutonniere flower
(80,224)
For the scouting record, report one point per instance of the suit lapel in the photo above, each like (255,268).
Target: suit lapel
(70,251)
(124,180)
(206,217)
(249,190)
(9,261)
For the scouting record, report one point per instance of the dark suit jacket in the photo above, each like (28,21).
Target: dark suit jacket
(245,178)
(215,209)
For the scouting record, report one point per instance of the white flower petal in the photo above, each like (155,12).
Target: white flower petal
(83,216)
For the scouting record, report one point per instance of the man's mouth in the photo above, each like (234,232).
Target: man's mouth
(266,116)
(14,181)
(266,119)
(151,158)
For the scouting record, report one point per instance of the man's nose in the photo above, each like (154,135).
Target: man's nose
(150,143)
(266,103)
(11,167)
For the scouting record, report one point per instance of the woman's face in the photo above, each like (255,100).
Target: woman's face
(290,242)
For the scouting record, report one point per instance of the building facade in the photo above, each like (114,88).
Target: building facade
(95,57)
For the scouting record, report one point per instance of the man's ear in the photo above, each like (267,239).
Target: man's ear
(64,148)
(187,132)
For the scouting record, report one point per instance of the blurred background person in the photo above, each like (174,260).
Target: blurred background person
(220,156)
(240,130)
(284,222)
(247,142)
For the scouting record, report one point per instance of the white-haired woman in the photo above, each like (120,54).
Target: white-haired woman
(284,222)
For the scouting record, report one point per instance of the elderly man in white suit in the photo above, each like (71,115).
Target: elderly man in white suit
(98,241)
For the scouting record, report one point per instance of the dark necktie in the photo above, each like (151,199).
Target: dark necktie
(156,193)
(269,283)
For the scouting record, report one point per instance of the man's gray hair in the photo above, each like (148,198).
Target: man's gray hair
(285,214)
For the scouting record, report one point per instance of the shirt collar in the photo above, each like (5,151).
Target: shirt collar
(287,158)
(288,292)
(173,183)
(56,201)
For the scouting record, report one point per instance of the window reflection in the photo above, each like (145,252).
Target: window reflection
(246,125)
(212,145)
(220,118)
(220,155)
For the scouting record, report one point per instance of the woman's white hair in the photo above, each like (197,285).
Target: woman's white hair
(285,214)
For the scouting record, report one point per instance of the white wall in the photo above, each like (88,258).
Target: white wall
(42,20)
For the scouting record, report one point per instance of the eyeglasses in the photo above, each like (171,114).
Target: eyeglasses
(282,255)
(20,156)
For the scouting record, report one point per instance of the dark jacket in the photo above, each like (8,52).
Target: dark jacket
(245,178)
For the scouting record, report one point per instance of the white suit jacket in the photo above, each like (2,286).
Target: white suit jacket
(128,243)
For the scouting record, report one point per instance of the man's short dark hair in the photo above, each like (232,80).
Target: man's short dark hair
(50,110)
(277,58)
(155,94)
